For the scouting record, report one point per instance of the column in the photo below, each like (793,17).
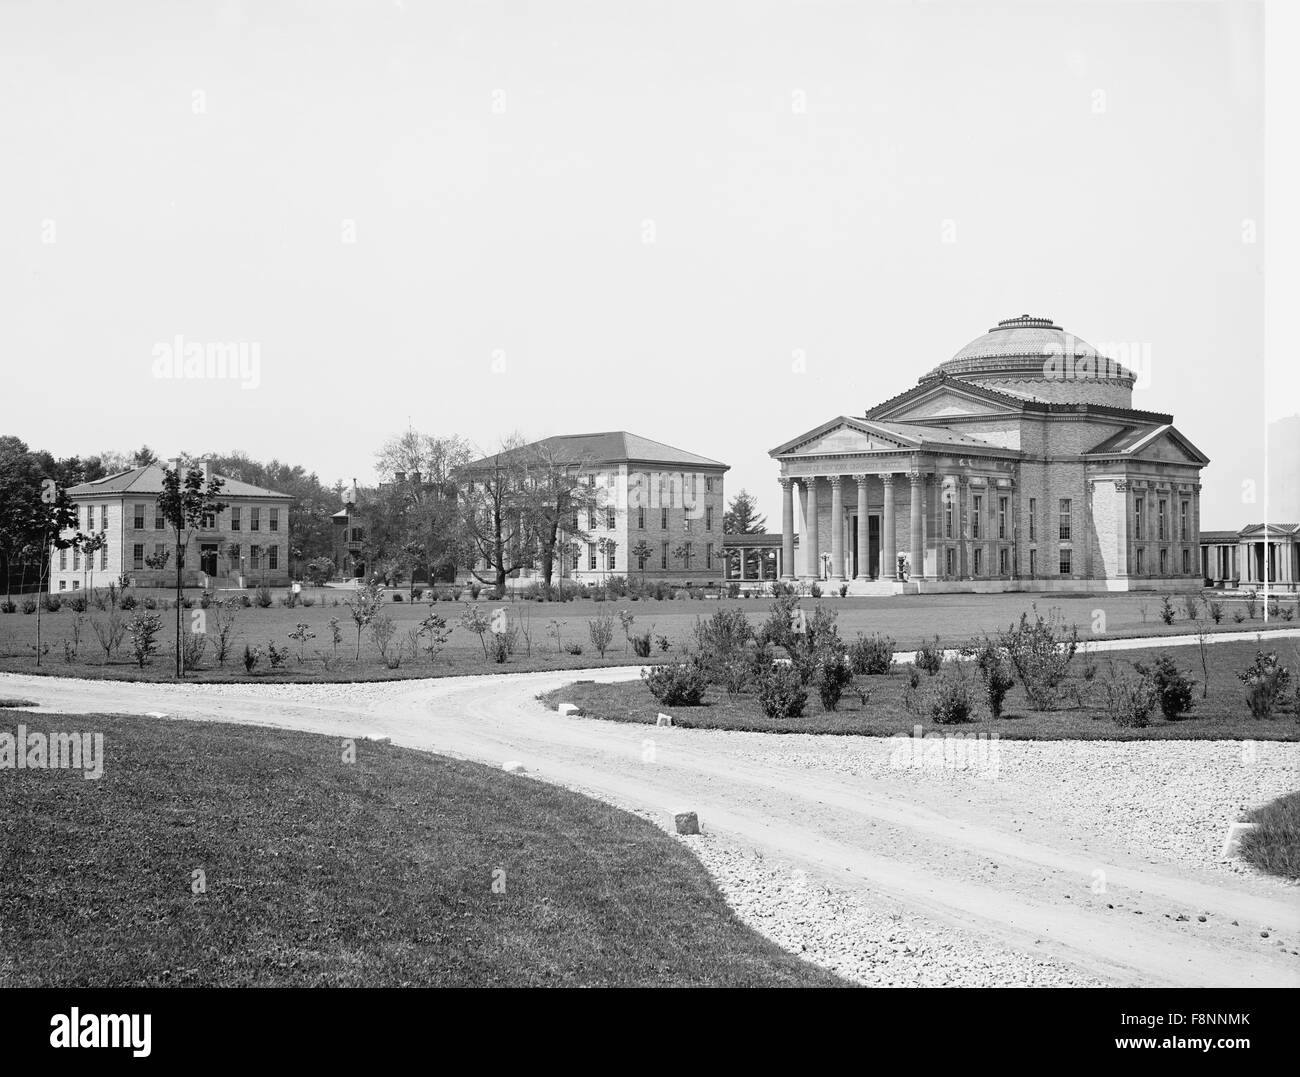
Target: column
(917,525)
(888,552)
(1013,522)
(813,554)
(864,569)
(837,527)
(963,527)
(787,529)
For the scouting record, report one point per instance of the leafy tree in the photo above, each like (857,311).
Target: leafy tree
(182,504)
(364,604)
(742,516)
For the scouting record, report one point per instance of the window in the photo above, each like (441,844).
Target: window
(137,555)
(76,585)
(63,585)
(663,555)
(951,560)
(1187,561)
(708,484)
(708,518)
(975,517)
(640,517)
(273,561)
(947,517)
(686,558)
(209,521)
(1033,515)
(591,481)
(76,559)
(611,552)
(138,518)
(1002,518)
(255,519)
(232,551)
(63,560)
(159,524)
(103,517)
(1033,563)
(1182,523)
(1065,520)
(591,553)
(235,522)
(641,559)
(90,518)
(609,519)
(573,524)
(1138,504)
(1065,562)
(979,561)
(159,550)
(254,556)
(275,519)
(663,519)
(708,555)
(686,525)
(1160,519)
(358,534)
(1004,562)
(103,557)
(1141,561)
(1164,562)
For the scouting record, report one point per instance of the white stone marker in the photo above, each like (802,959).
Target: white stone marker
(567,708)
(1233,840)
(664,719)
(513,766)
(687,822)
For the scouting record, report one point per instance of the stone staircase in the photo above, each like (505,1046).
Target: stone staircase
(870,588)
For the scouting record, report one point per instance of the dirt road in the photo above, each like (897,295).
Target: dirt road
(1066,853)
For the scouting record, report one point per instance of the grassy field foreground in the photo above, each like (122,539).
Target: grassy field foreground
(1221,716)
(401,868)
(1274,844)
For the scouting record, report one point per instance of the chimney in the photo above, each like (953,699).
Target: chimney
(207,472)
(176,464)
(415,478)
(401,476)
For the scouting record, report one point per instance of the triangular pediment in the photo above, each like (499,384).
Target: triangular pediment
(944,399)
(843,435)
(1164,444)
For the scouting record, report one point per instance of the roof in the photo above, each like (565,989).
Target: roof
(909,435)
(757,540)
(614,446)
(1218,536)
(1022,345)
(149,480)
(1132,439)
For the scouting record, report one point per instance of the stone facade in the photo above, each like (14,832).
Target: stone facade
(1017,465)
(1258,555)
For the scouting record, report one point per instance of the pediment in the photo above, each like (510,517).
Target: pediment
(943,402)
(845,436)
(1169,447)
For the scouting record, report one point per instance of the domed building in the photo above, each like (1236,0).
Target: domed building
(1018,464)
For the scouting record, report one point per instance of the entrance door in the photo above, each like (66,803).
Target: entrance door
(853,545)
(873,545)
(208,558)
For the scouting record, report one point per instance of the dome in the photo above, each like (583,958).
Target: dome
(1034,356)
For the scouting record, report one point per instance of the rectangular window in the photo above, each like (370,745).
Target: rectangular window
(232,551)
(1065,562)
(708,518)
(137,555)
(254,557)
(1160,518)
(274,557)
(640,517)
(103,517)
(611,554)
(951,561)
(209,521)
(1182,521)
(76,559)
(1065,519)
(1164,561)
(1033,563)
(947,517)
(573,524)
(1141,561)
(357,534)
(663,519)
(103,557)
(137,520)
(235,522)
(1187,561)
(976,511)
(275,519)
(76,585)
(708,484)
(1004,562)
(591,555)
(686,525)
(159,524)
(158,549)
(1138,504)
(708,555)
(979,560)
(641,559)
(1002,517)
(63,560)
(63,585)
(1033,519)
(90,518)
(609,520)
(255,519)
(663,555)
(686,556)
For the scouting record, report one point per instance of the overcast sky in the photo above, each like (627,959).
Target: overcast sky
(558,217)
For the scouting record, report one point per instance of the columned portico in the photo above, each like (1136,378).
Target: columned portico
(837,527)
(813,555)
(888,551)
(916,557)
(787,529)
(864,546)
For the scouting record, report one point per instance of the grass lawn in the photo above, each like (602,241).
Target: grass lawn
(1222,716)
(322,872)
(1274,844)
(908,618)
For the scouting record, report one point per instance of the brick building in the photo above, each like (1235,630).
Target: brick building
(248,538)
(1017,465)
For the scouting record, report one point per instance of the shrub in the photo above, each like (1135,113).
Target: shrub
(77,603)
(51,603)
(397,596)
(143,630)
(733,589)
(1265,680)
(844,590)
(662,643)
(950,700)
(1238,616)
(872,657)
(601,631)
(150,603)
(1216,609)
(1252,603)
(995,674)
(308,601)
(781,693)
(831,675)
(29,605)
(1130,700)
(675,684)
(276,655)
(1192,604)
(128,603)
(1040,653)
(252,655)
(8,606)
(1166,609)
(815,590)
(205,600)
(382,629)
(109,632)
(573,648)
(247,602)
(929,656)
(193,646)
(474,591)
(1173,687)
(641,644)
(264,599)
(721,640)
(417,593)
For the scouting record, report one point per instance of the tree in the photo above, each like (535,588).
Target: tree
(182,505)
(742,518)
(642,552)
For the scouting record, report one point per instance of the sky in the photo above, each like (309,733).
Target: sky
(714,224)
